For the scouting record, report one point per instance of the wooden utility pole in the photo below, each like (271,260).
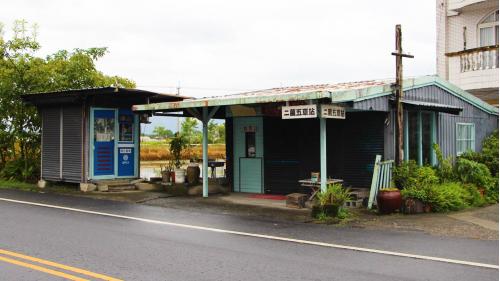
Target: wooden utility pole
(398,88)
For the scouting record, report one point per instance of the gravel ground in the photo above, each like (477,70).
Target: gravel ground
(434,224)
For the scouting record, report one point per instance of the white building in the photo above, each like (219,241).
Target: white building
(467,45)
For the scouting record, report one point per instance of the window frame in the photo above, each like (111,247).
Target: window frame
(472,139)
(481,24)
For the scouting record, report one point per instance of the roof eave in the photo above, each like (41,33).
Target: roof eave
(231,101)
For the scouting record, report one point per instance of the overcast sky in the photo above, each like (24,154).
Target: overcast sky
(220,47)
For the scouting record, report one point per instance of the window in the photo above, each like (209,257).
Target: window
(250,142)
(420,135)
(126,127)
(465,134)
(488,30)
(104,128)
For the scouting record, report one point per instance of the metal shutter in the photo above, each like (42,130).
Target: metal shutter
(72,144)
(51,125)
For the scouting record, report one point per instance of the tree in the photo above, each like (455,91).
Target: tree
(216,132)
(189,130)
(22,72)
(162,132)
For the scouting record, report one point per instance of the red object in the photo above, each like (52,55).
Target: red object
(172,175)
(389,201)
(268,196)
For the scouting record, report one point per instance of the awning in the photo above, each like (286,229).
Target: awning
(422,105)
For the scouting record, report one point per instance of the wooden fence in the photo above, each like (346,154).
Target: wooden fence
(382,178)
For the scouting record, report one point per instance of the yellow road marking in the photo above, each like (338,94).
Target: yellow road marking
(43,269)
(58,265)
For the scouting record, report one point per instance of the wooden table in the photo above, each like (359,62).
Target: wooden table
(316,185)
(213,166)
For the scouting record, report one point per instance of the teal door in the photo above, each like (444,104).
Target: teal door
(248,154)
(251,175)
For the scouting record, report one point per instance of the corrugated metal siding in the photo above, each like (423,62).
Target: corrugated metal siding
(72,144)
(375,104)
(50,143)
(390,136)
(446,123)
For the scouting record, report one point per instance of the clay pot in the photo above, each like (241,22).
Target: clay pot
(193,173)
(413,206)
(389,201)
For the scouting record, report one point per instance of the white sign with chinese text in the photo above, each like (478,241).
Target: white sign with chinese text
(332,111)
(299,111)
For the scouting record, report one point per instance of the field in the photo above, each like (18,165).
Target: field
(154,151)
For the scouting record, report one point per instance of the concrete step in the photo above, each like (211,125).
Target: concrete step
(121,187)
(115,185)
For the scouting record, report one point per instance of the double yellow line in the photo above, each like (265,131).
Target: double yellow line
(6,256)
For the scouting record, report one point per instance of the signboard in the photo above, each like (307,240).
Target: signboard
(332,111)
(299,111)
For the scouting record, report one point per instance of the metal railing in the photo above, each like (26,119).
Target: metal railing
(481,58)
(382,178)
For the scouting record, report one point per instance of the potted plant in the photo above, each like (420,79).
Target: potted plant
(330,201)
(389,200)
(177,144)
(167,175)
(415,200)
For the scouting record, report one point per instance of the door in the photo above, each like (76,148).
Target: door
(104,142)
(248,153)
(251,175)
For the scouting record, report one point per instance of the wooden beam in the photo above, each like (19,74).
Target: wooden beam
(212,112)
(195,113)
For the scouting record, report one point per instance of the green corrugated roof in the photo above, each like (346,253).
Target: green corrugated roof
(341,92)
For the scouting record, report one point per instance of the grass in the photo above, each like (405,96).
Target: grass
(27,186)
(343,217)
(153,151)
(12,184)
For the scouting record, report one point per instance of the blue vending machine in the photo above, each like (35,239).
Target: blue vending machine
(126,143)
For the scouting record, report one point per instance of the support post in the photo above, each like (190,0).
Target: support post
(398,87)
(406,137)
(399,97)
(205,151)
(419,141)
(322,144)
(433,138)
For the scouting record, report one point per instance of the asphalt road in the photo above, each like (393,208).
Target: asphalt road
(134,250)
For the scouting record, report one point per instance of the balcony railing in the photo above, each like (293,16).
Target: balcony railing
(477,59)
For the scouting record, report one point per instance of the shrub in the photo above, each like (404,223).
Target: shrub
(491,194)
(335,194)
(446,197)
(469,171)
(488,154)
(410,175)
(444,169)
(20,169)
(416,193)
